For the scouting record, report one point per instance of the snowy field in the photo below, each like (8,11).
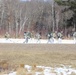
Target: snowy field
(42,70)
(35,41)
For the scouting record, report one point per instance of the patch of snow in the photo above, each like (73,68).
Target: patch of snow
(38,73)
(13,73)
(35,41)
(51,71)
(28,67)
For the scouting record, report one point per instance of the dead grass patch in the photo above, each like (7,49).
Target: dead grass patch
(40,54)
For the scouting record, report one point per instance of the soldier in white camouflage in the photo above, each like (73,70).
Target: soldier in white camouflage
(38,37)
(59,36)
(27,36)
(7,35)
(48,37)
(74,36)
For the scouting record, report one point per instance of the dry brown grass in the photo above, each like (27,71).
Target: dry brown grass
(39,54)
(3,65)
(21,71)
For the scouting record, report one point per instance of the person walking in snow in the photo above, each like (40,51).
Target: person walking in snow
(38,36)
(74,36)
(59,36)
(26,36)
(49,37)
(7,35)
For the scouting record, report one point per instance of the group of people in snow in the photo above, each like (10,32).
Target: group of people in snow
(28,35)
(51,36)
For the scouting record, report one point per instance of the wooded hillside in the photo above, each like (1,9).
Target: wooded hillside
(41,16)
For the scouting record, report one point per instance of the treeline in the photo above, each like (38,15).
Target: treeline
(17,17)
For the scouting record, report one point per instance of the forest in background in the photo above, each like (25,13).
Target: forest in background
(37,16)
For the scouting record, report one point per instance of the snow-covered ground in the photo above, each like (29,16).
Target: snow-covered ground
(63,70)
(35,41)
